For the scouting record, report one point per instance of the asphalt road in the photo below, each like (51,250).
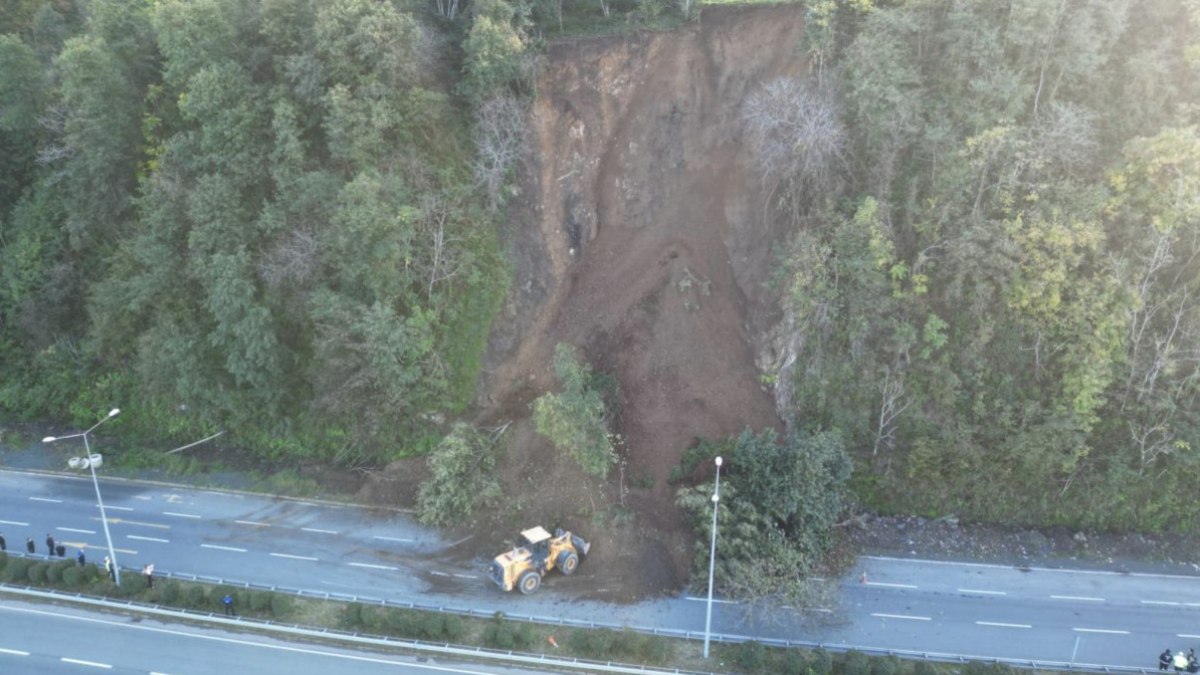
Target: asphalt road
(37,639)
(954,608)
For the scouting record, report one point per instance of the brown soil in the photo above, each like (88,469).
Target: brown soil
(638,237)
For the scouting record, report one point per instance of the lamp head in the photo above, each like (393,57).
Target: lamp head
(716,498)
(719,460)
(49,439)
(114,412)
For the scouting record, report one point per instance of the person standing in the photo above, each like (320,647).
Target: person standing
(49,546)
(3,544)
(108,567)
(1180,661)
(79,558)
(148,570)
(227,601)
(1164,659)
(29,545)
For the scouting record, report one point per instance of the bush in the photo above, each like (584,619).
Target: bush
(197,597)
(792,662)
(91,572)
(750,656)
(16,569)
(54,573)
(924,668)
(281,605)
(643,648)
(36,573)
(887,666)
(503,634)
(133,584)
(3,560)
(169,593)
(73,576)
(351,616)
(594,644)
(820,662)
(258,601)
(453,628)
(856,663)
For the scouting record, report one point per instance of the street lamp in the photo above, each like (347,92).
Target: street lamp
(712,557)
(91,461)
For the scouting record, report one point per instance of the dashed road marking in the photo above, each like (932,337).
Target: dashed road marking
(979,592)
(1185,635)
(1101,630)
(154,539)
(294,557)
(1082,598)
(181,515)
(466,576)
(318,530)
(110,507)
(224,548)
(1003,625)
(81,662)
(902,616)
(252,523)
(71,529)
(1168,603)
(14,652)
(373,567)
(45,499)
(139,523)
(439,574)
(99,547)
(143,498)
(400,539)
(888,585)
(14,522)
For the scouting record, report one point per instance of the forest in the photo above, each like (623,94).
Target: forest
(282,218)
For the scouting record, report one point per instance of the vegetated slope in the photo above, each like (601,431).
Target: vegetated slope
(638,236)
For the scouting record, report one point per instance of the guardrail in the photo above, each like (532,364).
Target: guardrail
(942,657)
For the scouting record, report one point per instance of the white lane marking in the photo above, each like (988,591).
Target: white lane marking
(373,567)
(887,585)
(976,590)
(71,529)
(318,531)
(293,557)
(720,602)
(252,522)
(143,498)
(14,522)
(1003,625)
(81,662)
(466,576)
(14,652)
(45,499)
(951,563)
(1161,602)
(1185,635)
(180,515)
(257,645)
(902,616)
(1101,630)
(400,539)
(439,574)
(110,507)
(140,538)
(1082,598)
(223,548)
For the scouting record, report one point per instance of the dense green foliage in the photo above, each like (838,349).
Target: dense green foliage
(997,301)
(258,215)
(576,420)
(779,500)
(463,476)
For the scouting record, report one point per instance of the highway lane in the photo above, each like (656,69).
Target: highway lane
(960,608)
(37,639)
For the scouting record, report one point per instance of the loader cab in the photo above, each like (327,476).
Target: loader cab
(537,540)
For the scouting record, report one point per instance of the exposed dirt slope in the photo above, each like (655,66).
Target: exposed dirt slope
(638,237)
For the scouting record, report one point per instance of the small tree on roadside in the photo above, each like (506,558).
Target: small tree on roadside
(576,420)
(463,466)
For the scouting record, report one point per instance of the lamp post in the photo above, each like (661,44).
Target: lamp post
(91,461)
(712,558)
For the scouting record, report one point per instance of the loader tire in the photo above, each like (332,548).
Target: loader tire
(567,562)
(580,545)
(529,582)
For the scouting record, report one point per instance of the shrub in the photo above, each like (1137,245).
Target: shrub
(54,573)
(258,601)
(281,605)
(16,569)
(90,572)
(886,666)
(169,593)
(3,560)
(503,634)
(750,656)
(197,597)
(594,644)
(856,663)
(73,576)
(792,662)
(924,668)
(820,662)
(36,573)
(644,648)
(453,628)
(133,584)
(351,616)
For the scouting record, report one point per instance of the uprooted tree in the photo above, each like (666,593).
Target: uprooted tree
(576,420)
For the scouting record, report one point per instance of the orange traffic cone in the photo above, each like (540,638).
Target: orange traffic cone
(551,640)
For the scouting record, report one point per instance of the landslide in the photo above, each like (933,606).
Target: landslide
(638,236)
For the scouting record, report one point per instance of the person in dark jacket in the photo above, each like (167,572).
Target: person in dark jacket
(49,546)
(1164,660)
(3,544)
(79,558)
(29,545)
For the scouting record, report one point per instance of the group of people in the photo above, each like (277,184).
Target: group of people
(56,549)
(1180,661)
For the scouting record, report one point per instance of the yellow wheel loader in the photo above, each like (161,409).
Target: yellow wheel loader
(539,552)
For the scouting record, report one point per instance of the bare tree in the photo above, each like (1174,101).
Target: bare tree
(796,133)
(444,263)
(291,261)
(448,9)
(499,142)
(893,404)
